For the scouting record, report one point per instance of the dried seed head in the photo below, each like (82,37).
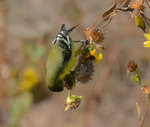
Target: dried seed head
(72,101)
(69,81)
(146,89)
(74,104)
(94,34)
(85,70)
(137,5)
(131,66)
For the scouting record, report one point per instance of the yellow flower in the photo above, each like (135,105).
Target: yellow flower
(146,44)
(29,80)
(97,57)
(93,52)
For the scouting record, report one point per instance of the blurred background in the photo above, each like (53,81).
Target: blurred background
(27,28)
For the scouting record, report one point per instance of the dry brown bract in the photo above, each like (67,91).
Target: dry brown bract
(146,89)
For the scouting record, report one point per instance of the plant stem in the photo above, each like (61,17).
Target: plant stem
(147,3)
(139,103)
(146,111)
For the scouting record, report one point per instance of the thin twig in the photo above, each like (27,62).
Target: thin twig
(96,20)
(101,11)
(139,102)
(146,111)
(102,23)
(110,16)
(147,3)
(146,19)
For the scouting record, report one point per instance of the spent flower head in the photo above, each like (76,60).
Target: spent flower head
(131,66)
(69,81)
(85,68)
(137,5)
(84,71)
(146,89)
(72,101)
(94,34)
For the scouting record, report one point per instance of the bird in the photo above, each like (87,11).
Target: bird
(60,59)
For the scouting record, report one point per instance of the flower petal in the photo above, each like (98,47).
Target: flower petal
(93,52)
(98,58)
(146,44)
(66,108)
(147,36)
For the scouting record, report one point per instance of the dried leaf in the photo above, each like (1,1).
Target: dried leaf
(106,13)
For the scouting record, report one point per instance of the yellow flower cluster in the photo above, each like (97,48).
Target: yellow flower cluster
(97,57)
(147,43)
(29,80)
